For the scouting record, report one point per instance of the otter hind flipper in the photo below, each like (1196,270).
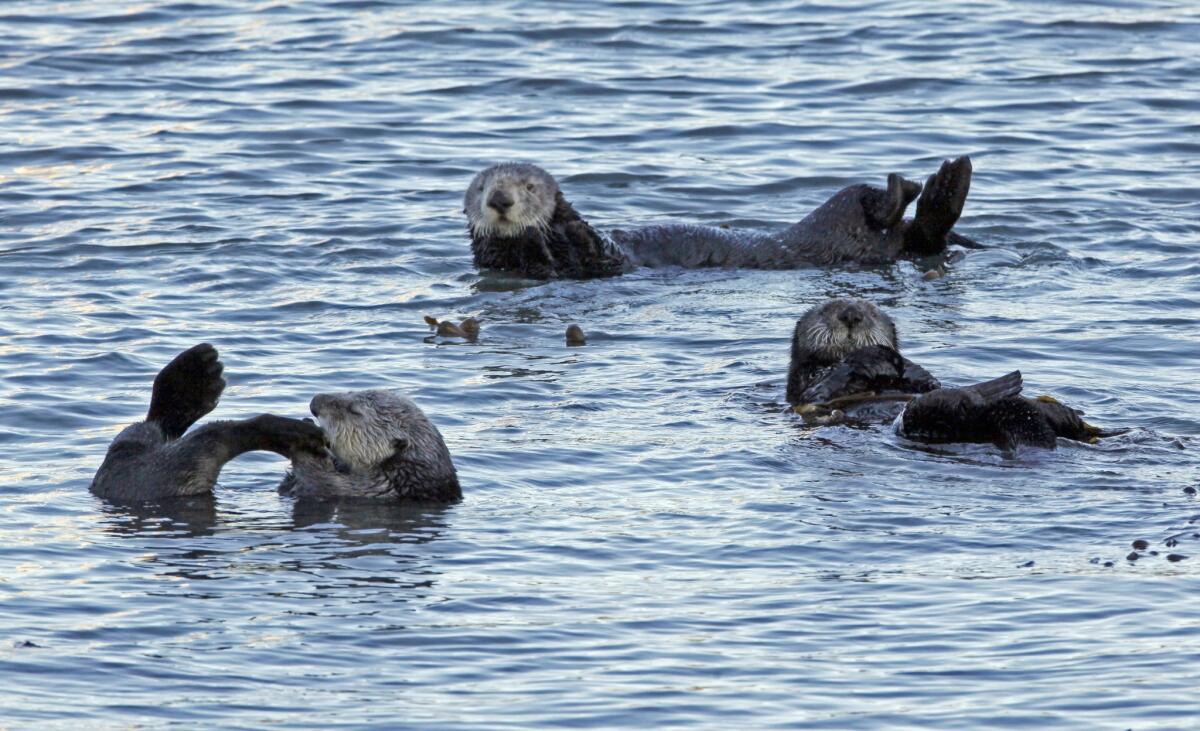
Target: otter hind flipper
(1010,384)
(885,208)
(939,206)
(186,389)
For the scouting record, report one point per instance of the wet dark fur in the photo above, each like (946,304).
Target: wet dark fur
(993,412)
(155,459)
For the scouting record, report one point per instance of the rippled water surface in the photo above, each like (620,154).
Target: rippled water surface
(646,539)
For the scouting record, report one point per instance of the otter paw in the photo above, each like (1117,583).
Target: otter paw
(305,436)
(291,436)
(186,389)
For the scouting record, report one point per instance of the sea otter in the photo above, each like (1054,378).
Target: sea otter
(520,222)
(382,447)
(154,459)
(845,346)
(994,412)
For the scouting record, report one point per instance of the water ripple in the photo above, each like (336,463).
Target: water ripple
(646,539)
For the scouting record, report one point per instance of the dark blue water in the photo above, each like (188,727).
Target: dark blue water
(646,541)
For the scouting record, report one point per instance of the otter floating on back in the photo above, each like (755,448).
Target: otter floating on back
(383,447)
(520,222)
(846,346)
(154,459)
(370,444)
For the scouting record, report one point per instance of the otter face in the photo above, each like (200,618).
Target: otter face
(508,198)
(367,427)
(838,326)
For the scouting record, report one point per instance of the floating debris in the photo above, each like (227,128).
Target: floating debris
(470,326)
(468,329)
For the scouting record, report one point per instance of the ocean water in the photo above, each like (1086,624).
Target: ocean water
(646,539)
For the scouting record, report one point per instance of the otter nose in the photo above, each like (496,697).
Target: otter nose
(851,316)
(500,201)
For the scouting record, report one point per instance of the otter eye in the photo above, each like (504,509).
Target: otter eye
(530,187)
(399,444)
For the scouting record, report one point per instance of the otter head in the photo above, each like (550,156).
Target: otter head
(505,200)
(366,428)
(831,330)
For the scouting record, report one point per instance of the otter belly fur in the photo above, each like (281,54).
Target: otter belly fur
(520,222)
(382,447)
(155,459)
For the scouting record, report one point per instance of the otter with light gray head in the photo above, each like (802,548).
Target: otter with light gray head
(382,447)
(520,222)
(845,346)
(154,459)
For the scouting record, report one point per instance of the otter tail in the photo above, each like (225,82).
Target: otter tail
(939,206)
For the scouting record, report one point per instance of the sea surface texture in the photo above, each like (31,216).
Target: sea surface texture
(647,539)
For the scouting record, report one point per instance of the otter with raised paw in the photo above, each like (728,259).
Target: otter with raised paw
(382,447)
(520,222)
(155,459)
(994,412)
(846,349)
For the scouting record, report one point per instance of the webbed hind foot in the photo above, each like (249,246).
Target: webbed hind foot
(186,389)
(939,207)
